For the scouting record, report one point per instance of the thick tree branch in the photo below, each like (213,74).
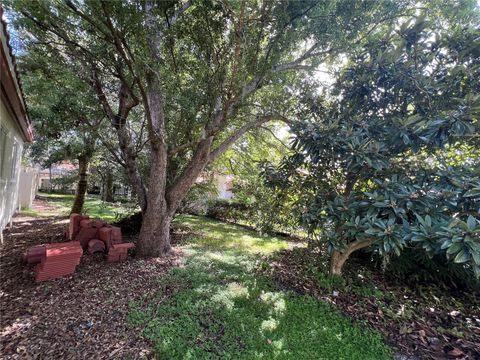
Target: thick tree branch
(176,15)
(242,131)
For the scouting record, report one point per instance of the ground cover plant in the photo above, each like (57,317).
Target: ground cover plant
(222,307)
(422,319)
(231,280)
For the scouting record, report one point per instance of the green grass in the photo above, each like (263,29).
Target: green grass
(94,207)
(220,307)
(30,212)
(217,235)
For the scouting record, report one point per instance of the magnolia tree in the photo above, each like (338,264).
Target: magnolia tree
(390,157)
(203,74)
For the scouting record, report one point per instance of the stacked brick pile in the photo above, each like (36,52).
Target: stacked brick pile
(98,236)
(60,259)
(83,233)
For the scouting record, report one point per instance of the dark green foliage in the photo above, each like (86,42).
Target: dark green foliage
(64,183)
(391,155)
(414,266)
(228,210)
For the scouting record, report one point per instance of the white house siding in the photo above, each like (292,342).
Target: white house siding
(224,186)
(11,147)
(15,128)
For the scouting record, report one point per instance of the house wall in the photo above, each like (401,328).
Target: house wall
(224,186)
(11,148)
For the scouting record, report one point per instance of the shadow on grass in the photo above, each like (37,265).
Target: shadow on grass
(223,309)
(220,307)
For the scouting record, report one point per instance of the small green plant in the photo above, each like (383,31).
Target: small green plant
(329,282)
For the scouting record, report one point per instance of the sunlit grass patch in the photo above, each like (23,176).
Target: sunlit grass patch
(32,213)
(94,207)
(225,309)
(222,236)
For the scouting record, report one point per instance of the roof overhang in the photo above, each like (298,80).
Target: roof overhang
(11,93)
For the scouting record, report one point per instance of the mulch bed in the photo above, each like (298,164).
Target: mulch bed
(420,324)
(81,316)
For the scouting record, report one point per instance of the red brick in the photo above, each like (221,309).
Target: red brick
(123,246)
(85,235)
(96,245)
(34,254)
(113,258)
(98,223)
(74,225)
(116,234)
(104,234)
(86,223)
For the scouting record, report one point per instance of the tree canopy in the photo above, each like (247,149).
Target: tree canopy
(203,74)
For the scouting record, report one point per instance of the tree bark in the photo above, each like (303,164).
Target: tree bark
(81,185)
(154,237)
(109,187)
(338,258)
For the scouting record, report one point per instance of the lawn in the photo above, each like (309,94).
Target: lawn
(222,307)
(61,204)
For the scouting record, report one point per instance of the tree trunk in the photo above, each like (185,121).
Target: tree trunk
(338,259)
(154,239)
(109,188)
(81,185)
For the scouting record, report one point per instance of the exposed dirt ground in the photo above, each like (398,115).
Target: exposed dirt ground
(81,316)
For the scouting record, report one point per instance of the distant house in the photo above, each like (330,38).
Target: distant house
(62,169)
(224,185)
(15,131)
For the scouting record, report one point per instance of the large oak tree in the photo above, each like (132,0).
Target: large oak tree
(202,72)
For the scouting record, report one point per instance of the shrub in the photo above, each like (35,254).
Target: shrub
(414,266)
(228,210)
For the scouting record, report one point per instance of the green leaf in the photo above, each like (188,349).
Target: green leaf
(476,258)
(462,256)
(456,247)
(471,222)
(428,221)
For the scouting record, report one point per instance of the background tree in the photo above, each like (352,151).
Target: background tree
(201,71)
(66,119)
(254,203)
